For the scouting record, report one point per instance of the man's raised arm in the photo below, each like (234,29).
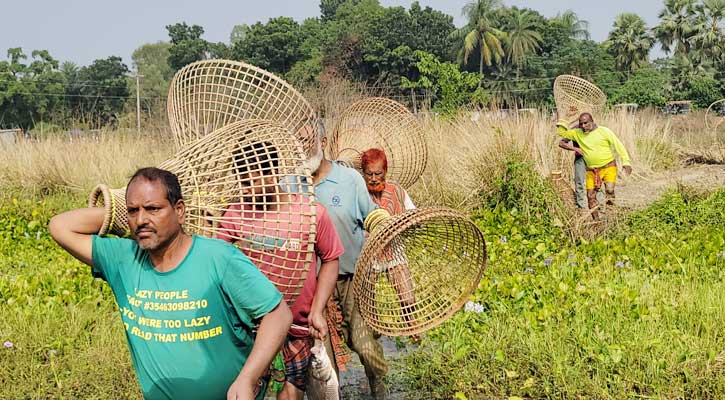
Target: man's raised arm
(73,229)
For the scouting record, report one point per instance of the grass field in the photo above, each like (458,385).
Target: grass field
(636,313)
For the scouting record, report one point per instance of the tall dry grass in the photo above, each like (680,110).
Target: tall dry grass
(466,150)
(470,148)
(58,163)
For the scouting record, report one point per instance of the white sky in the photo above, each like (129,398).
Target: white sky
(84,30)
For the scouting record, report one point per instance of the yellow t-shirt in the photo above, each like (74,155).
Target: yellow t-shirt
(597,145)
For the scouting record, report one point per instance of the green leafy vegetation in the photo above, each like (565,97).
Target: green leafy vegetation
(635,313)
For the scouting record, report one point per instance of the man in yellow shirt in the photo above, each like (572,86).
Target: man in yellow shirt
(595,145)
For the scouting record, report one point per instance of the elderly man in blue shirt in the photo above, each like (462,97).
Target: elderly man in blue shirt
(344,194)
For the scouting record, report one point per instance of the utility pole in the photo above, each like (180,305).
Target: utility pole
(138,103)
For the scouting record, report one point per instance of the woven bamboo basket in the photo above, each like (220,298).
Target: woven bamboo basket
(574,96)
(382,123)
(210,94)
(714,116)
(243,183)
(417,268)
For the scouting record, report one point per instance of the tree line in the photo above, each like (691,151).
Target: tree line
(506,56)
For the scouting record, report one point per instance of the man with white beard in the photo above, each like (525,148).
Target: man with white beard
(344,194)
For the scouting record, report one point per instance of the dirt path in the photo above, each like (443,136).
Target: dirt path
(354,383)
(640,190)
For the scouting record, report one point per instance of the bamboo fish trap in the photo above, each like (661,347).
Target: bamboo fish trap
(207,95)
(417,268)
(381,123)
(243,183)
(574,96)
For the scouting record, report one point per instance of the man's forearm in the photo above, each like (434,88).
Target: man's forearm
(270,337)
(326,280)
(566,145)
(73,229)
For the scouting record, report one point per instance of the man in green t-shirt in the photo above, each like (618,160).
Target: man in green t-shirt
(188,303)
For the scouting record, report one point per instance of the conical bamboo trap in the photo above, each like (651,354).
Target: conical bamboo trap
(242,183)
(417,268)
(574,96)
(377,122)
(210,94)
(714,116)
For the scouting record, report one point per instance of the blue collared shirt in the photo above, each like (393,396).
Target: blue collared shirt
(345,196)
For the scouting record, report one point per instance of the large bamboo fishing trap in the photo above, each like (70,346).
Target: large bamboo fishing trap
(242,183)
(377,122)
(574,96)
(207,95)
(417,268)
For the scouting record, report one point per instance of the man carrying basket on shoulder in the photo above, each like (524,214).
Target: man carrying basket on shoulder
(595,145)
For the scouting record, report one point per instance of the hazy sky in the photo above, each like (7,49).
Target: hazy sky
(84,30)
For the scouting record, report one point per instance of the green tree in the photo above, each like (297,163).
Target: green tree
(101,91)
(187,45)
(629,42)
(481,33)
(647,86)
(704,90)
(239,32)
(328,8)
(587,59)
(676,25)
(708,37)
(274,46)
(572,25)
(152,61)
(452,88)
(432,31)
(30,93)
(523,37)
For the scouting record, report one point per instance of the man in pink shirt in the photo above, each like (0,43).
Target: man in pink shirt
(273,228)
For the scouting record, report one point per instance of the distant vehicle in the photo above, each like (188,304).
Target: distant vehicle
(678,107)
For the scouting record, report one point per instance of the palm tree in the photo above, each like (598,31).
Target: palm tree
(577,28)
(676,25)
(708,37)
(629,42)
(522,38)
(481,34)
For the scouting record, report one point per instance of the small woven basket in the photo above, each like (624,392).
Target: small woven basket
(244,183)
(207,95)
(417,269)
(377,122)
(574,96)
(113,201)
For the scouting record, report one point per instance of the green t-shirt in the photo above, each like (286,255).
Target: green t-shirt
(189,330)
